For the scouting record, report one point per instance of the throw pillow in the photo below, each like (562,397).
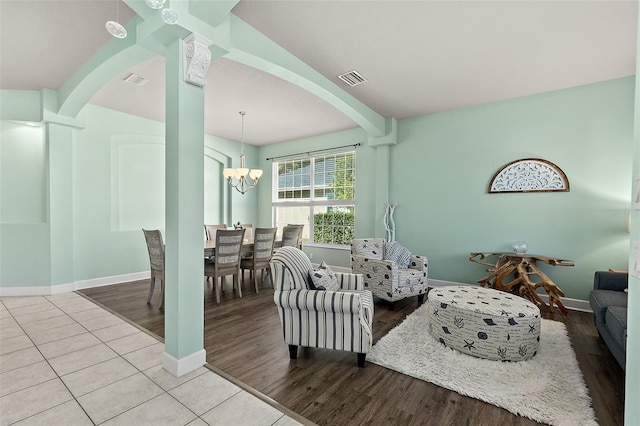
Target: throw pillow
(397,253)
(324,278)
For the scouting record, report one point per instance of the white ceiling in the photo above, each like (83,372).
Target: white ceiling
(419,57)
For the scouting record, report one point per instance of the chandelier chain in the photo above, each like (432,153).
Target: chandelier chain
(242,179)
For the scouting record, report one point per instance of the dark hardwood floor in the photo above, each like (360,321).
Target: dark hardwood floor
(243,339)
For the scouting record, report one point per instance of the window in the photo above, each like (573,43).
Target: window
(318,191)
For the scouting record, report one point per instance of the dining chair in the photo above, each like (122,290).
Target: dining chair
(210,230)
(263,242)
(155,247)
(292,236)
(249,228)
(226,260)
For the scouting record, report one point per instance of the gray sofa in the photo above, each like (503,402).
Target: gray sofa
(608,301)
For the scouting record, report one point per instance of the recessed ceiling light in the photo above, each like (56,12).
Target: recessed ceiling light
(352,78)
(136,79)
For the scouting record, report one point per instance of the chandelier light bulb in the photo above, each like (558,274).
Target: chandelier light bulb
(155,4)
(115,29)
(241,172)
(169,16)
(255,174)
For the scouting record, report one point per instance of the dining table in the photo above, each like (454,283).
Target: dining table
(247,247)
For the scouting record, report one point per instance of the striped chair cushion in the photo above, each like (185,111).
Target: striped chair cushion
(395,252)
(295,274)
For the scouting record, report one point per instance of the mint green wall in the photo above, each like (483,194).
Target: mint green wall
(119,189)
(586,131)
(102,183)
(23,160)
(441,167)
(108,215)
(24,231)
(60,202)
(21,105)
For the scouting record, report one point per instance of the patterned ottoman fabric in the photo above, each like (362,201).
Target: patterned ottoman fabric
(484,323)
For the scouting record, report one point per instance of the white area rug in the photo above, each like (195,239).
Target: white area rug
(548,388)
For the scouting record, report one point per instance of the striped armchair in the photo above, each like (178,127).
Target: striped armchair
(383,277)
(338,320)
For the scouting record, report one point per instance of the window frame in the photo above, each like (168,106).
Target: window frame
(312,202)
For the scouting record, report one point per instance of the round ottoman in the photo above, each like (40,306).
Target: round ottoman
(484,323)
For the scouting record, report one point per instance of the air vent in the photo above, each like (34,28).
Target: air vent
(352,78)
(136,79)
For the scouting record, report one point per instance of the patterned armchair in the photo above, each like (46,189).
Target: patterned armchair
(383,277)
(338,320)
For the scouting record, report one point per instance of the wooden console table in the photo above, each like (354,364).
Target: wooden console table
(523,267)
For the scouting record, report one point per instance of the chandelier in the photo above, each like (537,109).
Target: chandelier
(169,16)
(242,179)
(113,27)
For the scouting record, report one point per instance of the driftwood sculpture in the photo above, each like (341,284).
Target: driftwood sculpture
(389,223)
(523,267)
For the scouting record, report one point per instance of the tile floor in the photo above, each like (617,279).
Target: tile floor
(66,361)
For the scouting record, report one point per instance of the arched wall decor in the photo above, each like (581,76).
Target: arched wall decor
(529,175)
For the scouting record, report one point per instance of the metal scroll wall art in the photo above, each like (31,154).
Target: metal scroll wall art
(529,175)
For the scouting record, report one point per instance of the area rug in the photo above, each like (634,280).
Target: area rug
(548,388)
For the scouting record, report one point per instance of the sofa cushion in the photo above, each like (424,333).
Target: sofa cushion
(616,323)
(323,278)
(372,248)
(397,253)
(600,300)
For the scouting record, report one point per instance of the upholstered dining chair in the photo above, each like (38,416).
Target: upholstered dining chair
(292,236)
(263,242)
(155,247)
(330,319)
(380,263)
(226,260)
(210,230)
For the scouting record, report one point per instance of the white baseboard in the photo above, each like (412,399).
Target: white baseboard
(46,290)
(115,279)
(182,366)
(574,304)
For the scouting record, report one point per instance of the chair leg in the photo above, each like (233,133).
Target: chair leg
(293,352)
(152,285)
(255,280)
(162,295)
(236,279)
(361,359)
(216,285)
(268,278)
